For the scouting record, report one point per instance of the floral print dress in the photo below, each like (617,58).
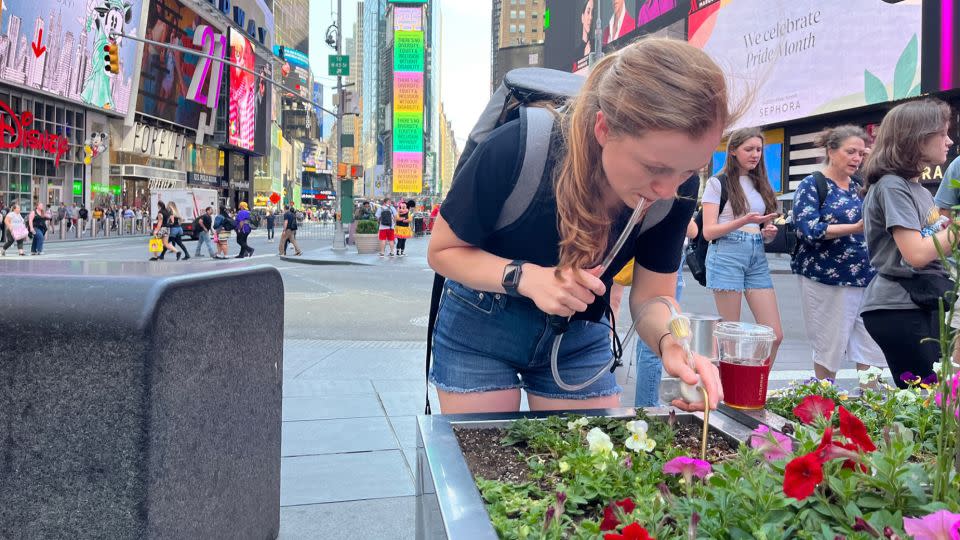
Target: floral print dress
(843,261)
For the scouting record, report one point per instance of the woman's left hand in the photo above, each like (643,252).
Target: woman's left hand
(675,364)
(769,232)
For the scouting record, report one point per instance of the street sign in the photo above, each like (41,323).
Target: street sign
(338,64)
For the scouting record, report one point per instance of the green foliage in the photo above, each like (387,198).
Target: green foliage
(906,70)
(874,91)
(367,226)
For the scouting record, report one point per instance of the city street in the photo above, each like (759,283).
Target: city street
(354,338)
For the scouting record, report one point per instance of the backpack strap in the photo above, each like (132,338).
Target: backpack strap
(722,178)
(536,128)
(822,188)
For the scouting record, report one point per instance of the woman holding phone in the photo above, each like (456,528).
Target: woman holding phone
(736,259)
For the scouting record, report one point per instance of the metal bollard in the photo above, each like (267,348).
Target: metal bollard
(106,227)
(120,227)
(63,229)
(77,228)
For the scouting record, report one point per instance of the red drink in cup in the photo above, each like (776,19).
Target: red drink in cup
(744,351)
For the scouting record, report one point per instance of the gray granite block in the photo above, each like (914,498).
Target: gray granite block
(140,401)
(378,518)
(345,477)
(336,436)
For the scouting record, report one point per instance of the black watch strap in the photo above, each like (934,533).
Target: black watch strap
(511,277)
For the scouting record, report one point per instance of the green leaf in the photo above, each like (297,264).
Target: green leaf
(915,91)
(873,90)
(906,70)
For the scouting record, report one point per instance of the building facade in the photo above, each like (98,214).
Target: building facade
(516,37)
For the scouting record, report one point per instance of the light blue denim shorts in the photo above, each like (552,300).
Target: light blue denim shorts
(738,262)
(489,341)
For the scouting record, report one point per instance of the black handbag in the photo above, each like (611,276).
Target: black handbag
(926,290)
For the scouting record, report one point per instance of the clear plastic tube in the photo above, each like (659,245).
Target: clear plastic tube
(605,265)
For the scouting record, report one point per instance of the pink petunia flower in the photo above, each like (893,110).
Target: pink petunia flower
(771,444)
(688,467)
(940,525)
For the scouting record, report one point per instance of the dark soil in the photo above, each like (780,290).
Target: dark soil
(487,458)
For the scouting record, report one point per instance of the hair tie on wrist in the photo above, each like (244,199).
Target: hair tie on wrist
(660,344)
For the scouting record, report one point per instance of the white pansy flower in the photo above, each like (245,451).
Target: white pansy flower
(870,375)
(578,423)
(599,441)
(639,442)
(637,426)
(564,466)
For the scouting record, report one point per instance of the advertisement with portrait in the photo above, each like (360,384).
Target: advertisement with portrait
(166,73)
(242,92)
(264,105)
(57,47)
(784,54)
(569,37)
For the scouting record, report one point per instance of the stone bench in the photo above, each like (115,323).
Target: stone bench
(139,400)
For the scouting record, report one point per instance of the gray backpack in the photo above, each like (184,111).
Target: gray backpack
(522,95)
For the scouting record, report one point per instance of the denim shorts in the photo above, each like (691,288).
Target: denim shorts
(738,262)
(489,341)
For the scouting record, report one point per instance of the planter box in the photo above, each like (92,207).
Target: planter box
(449,505)
(367,243)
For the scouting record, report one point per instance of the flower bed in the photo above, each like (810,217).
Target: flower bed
(583,477)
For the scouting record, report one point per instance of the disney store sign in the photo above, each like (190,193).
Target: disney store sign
(16,132)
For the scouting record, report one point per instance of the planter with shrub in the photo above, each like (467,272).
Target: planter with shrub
(367,236)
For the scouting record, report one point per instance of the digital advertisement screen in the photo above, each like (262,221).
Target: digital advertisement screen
(786,54)
(243,93)
(166,73)
(408,93)
(57,47)
(941,47)
(264,105)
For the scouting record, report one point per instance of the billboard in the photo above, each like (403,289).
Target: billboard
(264,105)
(166,73)
(56,47)
(318,100)
(408,93)
(242,92)
(941,47)
(785,53)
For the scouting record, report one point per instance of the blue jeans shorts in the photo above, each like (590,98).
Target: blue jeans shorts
(489,341)
(738,262)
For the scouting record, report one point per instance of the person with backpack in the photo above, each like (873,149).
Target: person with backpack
(831,259)
(387,218)
(204,225)
(645,120)
(905,234)
(289,233)
(223,225)
(738,211)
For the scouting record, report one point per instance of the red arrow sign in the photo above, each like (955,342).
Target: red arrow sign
(39,49)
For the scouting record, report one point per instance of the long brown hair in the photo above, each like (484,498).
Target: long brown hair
(898,148)
(654,84)
(736,198)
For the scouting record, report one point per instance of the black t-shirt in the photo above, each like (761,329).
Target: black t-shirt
(486,180)
(206,221)
(164,218)
(290,219)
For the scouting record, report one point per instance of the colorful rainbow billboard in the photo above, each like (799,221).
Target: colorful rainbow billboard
(408,48)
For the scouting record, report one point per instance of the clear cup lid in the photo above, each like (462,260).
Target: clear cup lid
(744,331)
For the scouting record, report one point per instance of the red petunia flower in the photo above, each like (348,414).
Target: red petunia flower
(632,531)
(853,429)
(802,476)
(812,407)
(852,463)
(610,520)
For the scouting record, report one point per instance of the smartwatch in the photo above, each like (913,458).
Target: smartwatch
(511,277)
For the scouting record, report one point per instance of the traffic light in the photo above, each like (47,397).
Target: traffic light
(112,58)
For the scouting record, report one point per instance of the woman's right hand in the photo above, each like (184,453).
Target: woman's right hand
(572,293)
(756,218)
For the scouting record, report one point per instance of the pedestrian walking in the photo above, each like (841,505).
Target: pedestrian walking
(271,220)
(403,230)
(71,216)
(14,230)
(37,222)
(831,261)
(161,229)
(204,225)
(626,142)
(176,231)
(243,231)
(223,225)
(736,258)
(289,233)
(905,232)
(387,218)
